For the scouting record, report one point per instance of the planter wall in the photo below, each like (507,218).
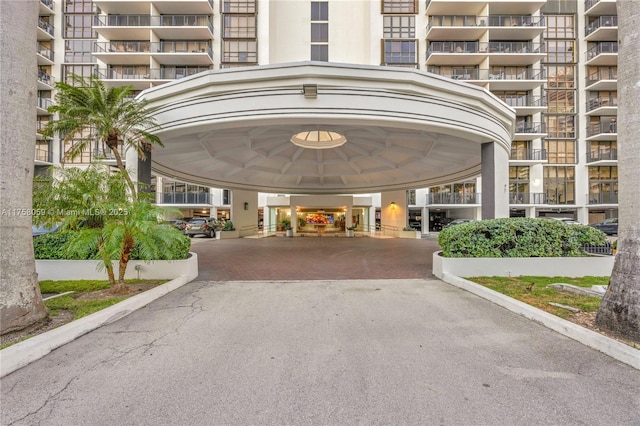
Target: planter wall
(410,234)
(517,266)
(223,235)
(88,269)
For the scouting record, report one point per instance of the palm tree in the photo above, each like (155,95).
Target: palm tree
(619,312)
(90,112)
(21,303)
(106,225)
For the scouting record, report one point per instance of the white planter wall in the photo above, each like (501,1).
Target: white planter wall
(517,266)
(89,269)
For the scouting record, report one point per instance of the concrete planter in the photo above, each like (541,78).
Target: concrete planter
(91,269)
(517,266)
(350,233)
(224,235)
(288,233)
(410,234)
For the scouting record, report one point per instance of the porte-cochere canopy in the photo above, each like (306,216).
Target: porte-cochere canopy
(318,128)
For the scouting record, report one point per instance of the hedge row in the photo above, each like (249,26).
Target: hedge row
(518,237)
(52,247)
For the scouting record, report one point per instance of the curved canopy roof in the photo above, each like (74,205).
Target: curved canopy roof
(404,128)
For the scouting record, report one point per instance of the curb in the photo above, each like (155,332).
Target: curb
(17,356)
(611,347)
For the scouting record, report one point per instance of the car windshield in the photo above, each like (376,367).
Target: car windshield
(198,221)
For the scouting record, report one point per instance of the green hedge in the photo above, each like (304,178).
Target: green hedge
(51,247)
(518,237)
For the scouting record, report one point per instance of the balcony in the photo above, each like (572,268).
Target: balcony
(186,198)
(452,7)
(528,131)
(602,131)
(603,157)
(525,104)
(603,79)
(140,77)
(45,30)
(45,54)
(527,198)
(603,54)
(199,7)
(603,28)
(527,156)
(44,156)
(453,198)
(600,7)
(469,27)
(605,105)
(183,52)
(47,7)
(45,80)
(164,26)
(515,27)
(42,105)
(454,52)
(602,198)
(123,52)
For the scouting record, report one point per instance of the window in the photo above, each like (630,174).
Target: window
(560,51)
(400,52)
(239,26)
(561,101)
(239,6)
(240,51)
(399,27)
(79,26)
(82,70)
(518,184)
(320,52)
(319,32)
(561,151)
(560,26)
(78,51)
(559,184)
(78,6)
(400,6)
(319,11)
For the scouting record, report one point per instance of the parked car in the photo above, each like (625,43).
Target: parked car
(568,220)
(455,222)
(608,226)
(178,223)
(41,230)
(202,226)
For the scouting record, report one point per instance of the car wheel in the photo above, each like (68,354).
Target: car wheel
(190,235)
(212,234)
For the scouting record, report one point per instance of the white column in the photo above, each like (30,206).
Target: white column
(495,181)
(244,209)
(394,209)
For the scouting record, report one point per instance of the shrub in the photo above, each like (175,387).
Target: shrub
(52,247)
(228,226)
(518,237)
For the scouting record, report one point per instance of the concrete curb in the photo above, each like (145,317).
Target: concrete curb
(613,348)
(17,356)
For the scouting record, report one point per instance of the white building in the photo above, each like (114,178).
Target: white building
(553,62)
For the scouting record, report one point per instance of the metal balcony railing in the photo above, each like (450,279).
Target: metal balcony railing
(122,21)
(44,154)
(530,128)
(46,78)
(603,47)
(601,21)
(513,47)
(122,46)
(602,74)
(153,21)
(528,154)
(186,198)
(515,21)
(602,198)
(602,127)
(43,50)
(144,73)
(524,101)
(602,155)
(44,25)
(527,198)
(588,4)
(49,3)
(453,198)
(44,103)
(602,101)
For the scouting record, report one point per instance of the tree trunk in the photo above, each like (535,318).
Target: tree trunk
(21,303)
(127,248)
(619,312)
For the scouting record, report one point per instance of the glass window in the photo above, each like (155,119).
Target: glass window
(400,6)
(239,6)
(320,52)
(399,27)
(319,32)
(79,26)
(400,52)
(319,11)
(240,51)
(239,26)
(559,184)
(560,151)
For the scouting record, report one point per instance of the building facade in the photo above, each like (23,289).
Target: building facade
(553,62)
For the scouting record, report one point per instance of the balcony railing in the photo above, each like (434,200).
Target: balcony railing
(483,21)
(44,25)
(602,74)
(508,47)
(123,46)
(602,127)
(153,21)
(528,154)
(44,103)
(49,3)
(602,21)
(453,198)
(603,101)
(44,154)
(488,74)
(527,198)
(515,21)
(608,154)
(43,50)
(46,78)
(143,73)
(530,128)
(186,198)
(588,4)
(602,198)
(524,101)
(603,47)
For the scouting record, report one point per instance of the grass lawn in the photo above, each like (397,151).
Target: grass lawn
(88,296)
(534,291)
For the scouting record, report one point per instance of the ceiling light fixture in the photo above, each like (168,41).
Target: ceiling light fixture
(318,139)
